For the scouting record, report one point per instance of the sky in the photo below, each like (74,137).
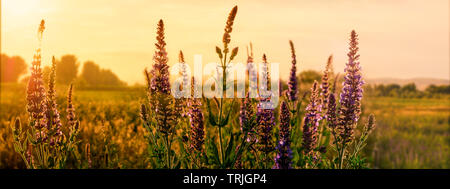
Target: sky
(398,39)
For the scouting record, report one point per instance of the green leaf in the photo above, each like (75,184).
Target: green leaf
(224,122)
(211,117)
(229,149)
(215,152)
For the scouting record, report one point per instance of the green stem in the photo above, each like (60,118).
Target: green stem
(341,156)
(168,151)
(221,107)
(22,154)
(220,144)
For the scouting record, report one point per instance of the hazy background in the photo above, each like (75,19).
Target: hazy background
(398,39)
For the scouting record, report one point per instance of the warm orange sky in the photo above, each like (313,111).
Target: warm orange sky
(402,38)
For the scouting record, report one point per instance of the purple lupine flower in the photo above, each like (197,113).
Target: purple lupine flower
(247,122)
(331,112)
(265,116)
(160,72)
(71,118)
(52,115)
(36,94)
(197,136)
(160,98)
(264,92)
(266,121)
(311,121)
(252,74)
(324,93)
(246,115)
(292,84)
(184,73)
(253,80)
(284,152)
(351,94)
(180,100)
(247,119)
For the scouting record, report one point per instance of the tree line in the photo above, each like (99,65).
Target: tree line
(407,91)
(13,68)
(384,90)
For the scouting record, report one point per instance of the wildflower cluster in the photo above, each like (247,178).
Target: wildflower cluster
(182,130)
(46,145)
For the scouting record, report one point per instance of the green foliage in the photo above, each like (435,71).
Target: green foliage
(433,89)
(407,91)
(309,76)
(92,75)
(67,69)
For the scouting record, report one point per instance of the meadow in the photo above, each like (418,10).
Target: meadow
(322,124)
(410,133)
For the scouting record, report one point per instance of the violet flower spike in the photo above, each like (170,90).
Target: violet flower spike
(311,121)
(284,152)
(292,84)
(352,93)
(197,136)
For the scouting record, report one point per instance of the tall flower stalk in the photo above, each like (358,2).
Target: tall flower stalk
(284,153)
(311,122)
(292,84)
(161,100)
(265,118)
(247,120)
(52,115)
(325,85)
(45,146)
(71,116)
(225,57)
(36,94)
(350,97)
(180,100)
(247,116)
(331,115)
(160,72)
(197,126)
(252,74)
(37,108)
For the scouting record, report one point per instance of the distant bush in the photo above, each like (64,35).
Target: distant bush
(67,69)
(443,89)
(407,91)
(93,76)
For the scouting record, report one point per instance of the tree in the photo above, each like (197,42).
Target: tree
(443,89)
(411,87)
(309,76)
(93,75)
(12,68)
(67,69)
